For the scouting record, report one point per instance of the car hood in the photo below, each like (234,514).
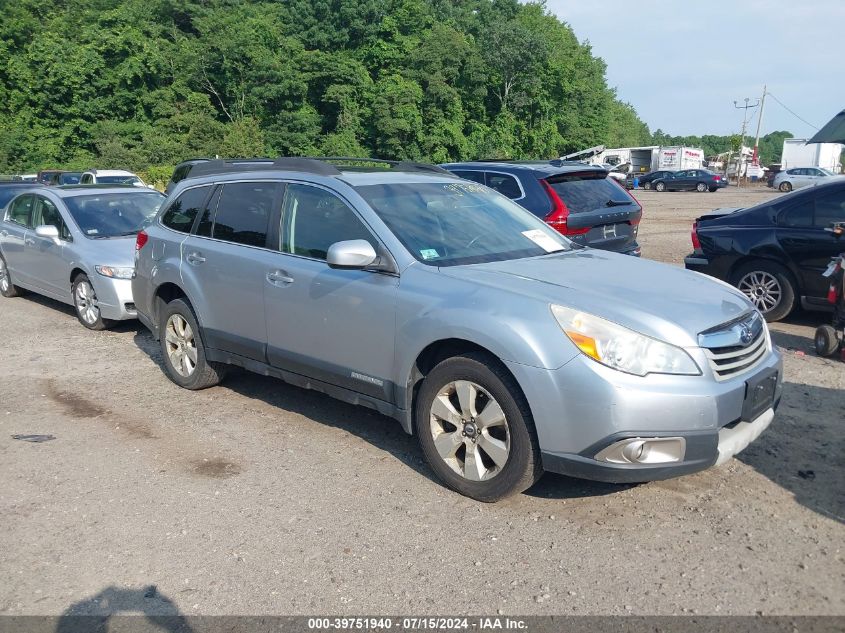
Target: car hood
(662,301)
(111,251)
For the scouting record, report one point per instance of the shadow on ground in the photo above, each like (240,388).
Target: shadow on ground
(803,451)
(94,613)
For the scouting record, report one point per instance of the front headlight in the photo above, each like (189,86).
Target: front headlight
(115,272)
(621,348)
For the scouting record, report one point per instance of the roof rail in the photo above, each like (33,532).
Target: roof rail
(401,165)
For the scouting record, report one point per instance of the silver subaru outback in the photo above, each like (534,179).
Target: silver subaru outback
(505,348)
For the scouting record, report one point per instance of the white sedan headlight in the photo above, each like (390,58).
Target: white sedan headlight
(620,348)
(115,272)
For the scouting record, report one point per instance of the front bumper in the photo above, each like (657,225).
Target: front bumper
(584,407)
(114,297)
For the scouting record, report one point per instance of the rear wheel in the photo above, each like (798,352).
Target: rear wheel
(713,189)
(769,287)
(183,349)
(785,186)
(476,430)
(701,187)
(825,340)
(660,186)
(7,288)
(647,186)
(87,305)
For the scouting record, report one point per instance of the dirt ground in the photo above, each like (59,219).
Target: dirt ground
(260,498)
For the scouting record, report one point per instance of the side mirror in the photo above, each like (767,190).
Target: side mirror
(351,254)
(48,231)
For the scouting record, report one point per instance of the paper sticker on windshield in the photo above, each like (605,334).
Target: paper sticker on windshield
(429,253)
(543,241)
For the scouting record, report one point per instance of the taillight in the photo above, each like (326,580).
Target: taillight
(559,216)
(696,244)
(140,240)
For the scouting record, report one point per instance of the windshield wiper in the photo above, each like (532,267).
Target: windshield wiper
(617,203)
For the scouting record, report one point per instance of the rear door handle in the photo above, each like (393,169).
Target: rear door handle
(279,278)
(29,242)
(4,233)
(195,258)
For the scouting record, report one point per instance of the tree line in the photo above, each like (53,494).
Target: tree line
(144,84)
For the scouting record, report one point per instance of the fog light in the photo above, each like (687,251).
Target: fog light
(645,450)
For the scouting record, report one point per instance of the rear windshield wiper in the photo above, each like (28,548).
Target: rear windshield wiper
(617,203)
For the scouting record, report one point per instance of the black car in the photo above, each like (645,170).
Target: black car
(690,180)
(646,180)
(577,200)
(776,251)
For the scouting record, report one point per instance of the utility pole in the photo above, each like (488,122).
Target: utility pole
(745,108)
(756,158)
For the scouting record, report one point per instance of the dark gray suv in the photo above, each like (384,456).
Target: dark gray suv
(506,348)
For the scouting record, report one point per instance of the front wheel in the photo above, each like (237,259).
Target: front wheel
(7,288)
(87,305)
(769,287)
(785,187)
(701,187)
(825,340)
(183,349)
(660,186)
(476,430)
(713,189)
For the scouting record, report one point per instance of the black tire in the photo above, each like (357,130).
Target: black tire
(7,288)
(825,340)
(522,466)
(204,373)
(785,187)
(647,186)
(787,294)
(660,186)
(713,189)
(701,187)
(87,311)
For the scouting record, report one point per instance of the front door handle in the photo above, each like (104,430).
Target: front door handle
(4,233)
(195,258)
(279,278)
(29,241)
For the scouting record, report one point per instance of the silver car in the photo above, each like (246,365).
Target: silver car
(507,349)
(76,245)
(798,177)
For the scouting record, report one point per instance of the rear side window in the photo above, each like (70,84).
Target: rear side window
(243,212)
(798,216)
(505,184)
(86,179)
(21,210)
(180,215)
(583,192)
(830,208)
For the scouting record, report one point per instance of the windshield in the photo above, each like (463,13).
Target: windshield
(827,172)
(452,223)
(70,178)
(119,180)
(114,214)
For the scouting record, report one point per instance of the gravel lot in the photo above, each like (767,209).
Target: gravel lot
(259,498)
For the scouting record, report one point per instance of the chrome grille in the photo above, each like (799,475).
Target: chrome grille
(747,346)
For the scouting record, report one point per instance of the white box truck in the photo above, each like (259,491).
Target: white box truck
(676,158)
(797,153)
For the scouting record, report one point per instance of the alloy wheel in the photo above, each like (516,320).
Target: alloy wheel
(762,288)
(86,303)
(4,277)
(470,430)
(181,345)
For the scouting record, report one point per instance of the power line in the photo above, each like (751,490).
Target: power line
(815,127)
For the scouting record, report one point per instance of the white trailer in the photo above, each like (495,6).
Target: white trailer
(797,153)
(679,157)
(636,160)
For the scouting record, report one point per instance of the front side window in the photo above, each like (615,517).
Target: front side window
(180,215)
(45,213)
(505,184)
(243,212)
(799,216)
(20,210)
(314,219)
(453,223)
(87,179)
(114,214)
(830,208)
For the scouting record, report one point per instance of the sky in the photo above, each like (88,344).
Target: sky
(683,63)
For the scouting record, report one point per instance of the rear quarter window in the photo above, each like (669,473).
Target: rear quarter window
(582,193)
(181,213)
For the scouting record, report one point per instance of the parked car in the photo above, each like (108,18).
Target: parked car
(798,177)
(646,180)
(579,201)
(45,176)
(507,348)
(776,251)
(111,177)
(184,168)
(690,180)
(75,245)
(58,177)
